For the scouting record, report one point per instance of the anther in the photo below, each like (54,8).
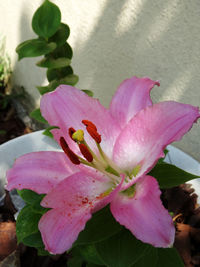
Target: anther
(92,130)
(85,152)
(89,124)
(94,134)
(71,131)
(71,155)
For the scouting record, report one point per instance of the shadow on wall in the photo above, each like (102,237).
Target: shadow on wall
(145,38)
(159,39)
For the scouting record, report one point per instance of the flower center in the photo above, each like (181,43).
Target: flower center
(98,161)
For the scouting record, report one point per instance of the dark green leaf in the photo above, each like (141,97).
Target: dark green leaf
(169,175)
(52,63)
(36,207)
(27,223)
(62,51)
(57,74)
(149,258)
(90,254)
(34,48)
(34,240)
(89,264)
(29,196)
(47,132)
(162,159)
(105,230)
(42,252)
(168,257)
(70,79)
(75,258)
(88,92)
(61,35)
(36,114)
(121,250)
(46,19)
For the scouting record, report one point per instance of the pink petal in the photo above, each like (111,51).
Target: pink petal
(73,201)
(67,106)
(144,215)
(60,228)
(132,95)
(143,139)
(39,171)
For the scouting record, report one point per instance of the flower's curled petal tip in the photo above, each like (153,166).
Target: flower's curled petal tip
(39,171)
(67,106)
(144,215)
(150,131)
(132,95)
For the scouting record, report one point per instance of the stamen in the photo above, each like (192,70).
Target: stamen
(71,155)
(71,131)
(94,134)
(85,152)
(92,130)
(90,124)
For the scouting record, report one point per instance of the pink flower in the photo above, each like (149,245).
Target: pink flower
(108,153)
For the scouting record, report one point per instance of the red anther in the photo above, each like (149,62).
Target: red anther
(85,152)
(71,131)
(89,124)
(94,134)
(71,155)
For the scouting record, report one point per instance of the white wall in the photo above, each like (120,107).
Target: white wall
(116,39)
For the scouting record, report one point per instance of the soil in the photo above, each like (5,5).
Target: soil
(181,201)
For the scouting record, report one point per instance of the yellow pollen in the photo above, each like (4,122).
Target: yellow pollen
(78,136)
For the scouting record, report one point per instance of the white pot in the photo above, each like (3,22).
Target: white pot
(36,141)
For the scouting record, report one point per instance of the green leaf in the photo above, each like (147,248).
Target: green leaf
(34,48)
(46,19)
(70,79)
(149,258)
(75,258)
(57,74)
(169,175)
(88,92)
(27,223)
(47,132)
(91,235)
(121,250)
(34,240)
(52,63)
(62,51)
(61,35)
(169,257)
(89,264)
(36,114)
(29,196)
(36,207)
(42,252)
(90,254)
